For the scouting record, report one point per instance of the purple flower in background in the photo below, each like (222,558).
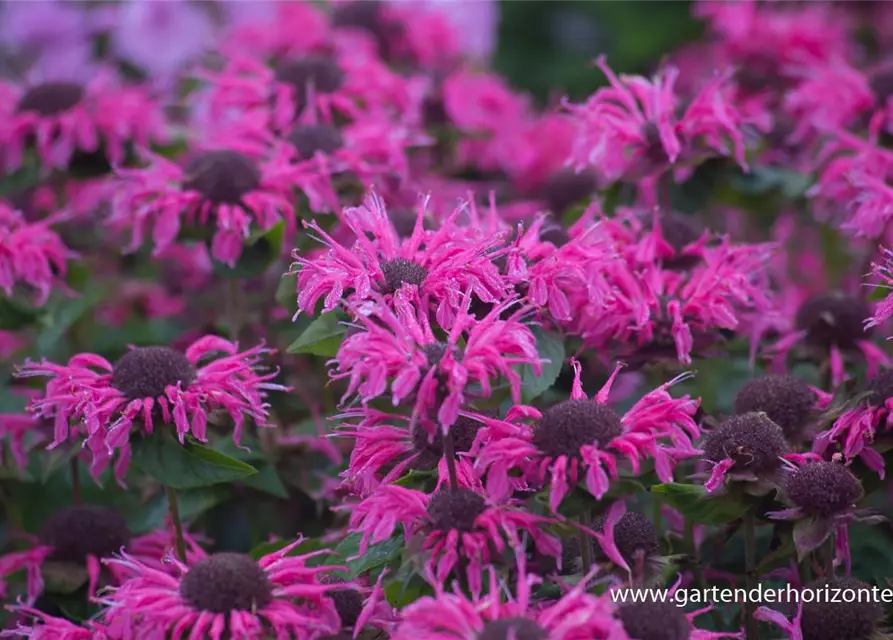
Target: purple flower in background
(476,22)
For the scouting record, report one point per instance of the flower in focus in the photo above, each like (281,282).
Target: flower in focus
(745,448)
(630,130)
(824,496)
(146,385)
(501,615)
(855,430)
(822,618)
(453,523)
(30,254)
(630,542)
(224,591)
(63,118)
(437,265)
(401,346)
(581,437)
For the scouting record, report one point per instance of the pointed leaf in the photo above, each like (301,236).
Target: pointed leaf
(322,338)
(549,346)
(693,501)
(187,466)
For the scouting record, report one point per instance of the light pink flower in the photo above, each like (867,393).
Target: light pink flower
(146,385)
(585,440)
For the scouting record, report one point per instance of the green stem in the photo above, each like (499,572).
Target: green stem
(696,567)
(750,578)
(178,525)
(828,553)
(585,544)
(233,319)
(76,479)
(449,452)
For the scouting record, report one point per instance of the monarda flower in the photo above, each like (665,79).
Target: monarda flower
(831,327)
(853,433)
(787,401)
(584,440)
(437,265)
(388,445)
(31,254)
(61,119)
(745,448)
(148,385)
(224,595)
(219,186)
(824,617)
(629,541)
(402,347)
(359,608)
(882,271)
(824,496)
(501,615)
(43,626)
(456,525)
(631,130)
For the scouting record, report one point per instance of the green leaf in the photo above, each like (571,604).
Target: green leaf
(695,504)
(192,503)
(286,291)
(550,346)
(15,315)
(187,466)
(267,480)
(64,314)
(377,555)
(322,338)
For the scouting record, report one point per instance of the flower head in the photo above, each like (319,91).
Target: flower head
(224,591)
(63,118)
(148,385)
(582,439)
(787,401)
(747,447)
(629,540)
(30,254)
(46,627)
(452,523)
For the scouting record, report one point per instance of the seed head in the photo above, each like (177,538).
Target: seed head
(348,604)
(50,98)
(788,401)
(430,452)
(839,620)
(310,138)
(654,621)
(226,582)
(145,372)
(222,177)
(523,629)
(566,188)
(633,533)
(567,426)
(881,388)
(679,231)
(399,271)
(321,71)
(455,508)
(823,489)
(85,530)
(752,440)
(833,319)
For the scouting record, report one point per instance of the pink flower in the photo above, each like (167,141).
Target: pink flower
(219,185)
(630,129)
(401,346)
(576,615)
(276,28)
(30,254)
(436,266)
(46,627)
(64,117)
(454,524)
(883,310)
(224,593)
(148,384)
(440,30)
(585,440)
(29,561)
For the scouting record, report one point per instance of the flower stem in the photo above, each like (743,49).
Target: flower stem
(750,564)
(449,452)
(233,319)
(696,566)
(76,479)
(585,544)
(178,526)
(828,553)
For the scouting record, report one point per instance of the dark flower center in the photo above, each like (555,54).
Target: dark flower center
(348,604)
(430,451)
(752,440)
(403,221)
(679,231)
(455,508)
(566,188)
(320,71)
(833,319)
(399,271)
(880,387)
(310,138)
(226,582)
(553,232)
(222,177)
(435,352)
(50,98)
(882,84)
(788,401)
(367,15)
(522,628)
(839,620)
(654,621)
(569,425)
(633,533)
(823,488)
(85,530)
(145,372)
